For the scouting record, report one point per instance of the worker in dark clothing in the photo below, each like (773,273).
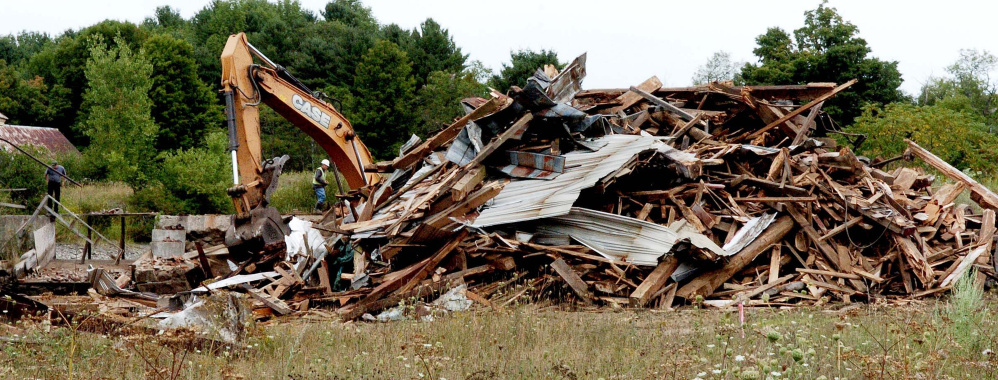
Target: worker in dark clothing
(319,185)
(54,179)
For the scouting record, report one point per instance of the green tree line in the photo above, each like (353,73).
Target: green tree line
(140,100)
(954,115)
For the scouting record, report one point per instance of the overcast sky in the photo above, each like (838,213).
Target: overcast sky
(627,40)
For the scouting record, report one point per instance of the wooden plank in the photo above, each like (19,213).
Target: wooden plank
(965,263)
(706,283)
(444,136)
(842,227)
(803,108)
(496,142)
(831,273)
(654,282)
(806,128)
(915,260)
(277,305)
(433,261)
(574,281)
(776,199)
(978,193)
(629,98)
(467,183)
(774,264)
(831,255)
(645,211)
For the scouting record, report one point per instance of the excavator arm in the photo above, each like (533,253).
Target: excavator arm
(246,84)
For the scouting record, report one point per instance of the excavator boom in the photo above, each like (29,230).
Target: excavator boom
(245,85)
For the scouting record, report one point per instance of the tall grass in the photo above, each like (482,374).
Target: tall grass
(295,195)
(967,311)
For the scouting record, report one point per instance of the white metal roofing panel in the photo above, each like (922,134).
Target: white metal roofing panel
(524,200)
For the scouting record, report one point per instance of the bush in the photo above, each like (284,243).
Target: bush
(20,171)
(192,181)
(955,136)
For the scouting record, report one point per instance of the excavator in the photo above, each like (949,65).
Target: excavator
(257,226)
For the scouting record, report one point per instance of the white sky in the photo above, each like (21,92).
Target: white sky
(627,40)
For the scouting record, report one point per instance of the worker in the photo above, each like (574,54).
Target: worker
(54,179)
(319,185)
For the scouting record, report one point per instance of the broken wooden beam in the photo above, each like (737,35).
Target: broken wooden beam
(654,282)
(573,280)
(978,193)
(705,284)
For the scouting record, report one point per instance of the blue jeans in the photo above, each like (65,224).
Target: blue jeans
(320,192)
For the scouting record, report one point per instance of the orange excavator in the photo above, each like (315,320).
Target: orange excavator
(245,84)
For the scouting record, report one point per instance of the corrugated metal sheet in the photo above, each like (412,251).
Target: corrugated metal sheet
(618,237)
(47,138)
(534,165)
(535,199)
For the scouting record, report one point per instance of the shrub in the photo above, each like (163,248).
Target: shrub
(955,136)
(195,180)
(20,171)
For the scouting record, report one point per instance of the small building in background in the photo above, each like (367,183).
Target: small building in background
(49,139)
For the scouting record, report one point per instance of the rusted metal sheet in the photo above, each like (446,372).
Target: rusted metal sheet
(46,138)
(534,165)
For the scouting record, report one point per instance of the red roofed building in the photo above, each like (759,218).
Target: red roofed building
(49,139)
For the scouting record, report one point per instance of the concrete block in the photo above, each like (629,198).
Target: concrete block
(169,235)
(167,248)
(45,244)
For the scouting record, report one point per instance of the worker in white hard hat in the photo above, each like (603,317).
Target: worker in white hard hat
(319,185)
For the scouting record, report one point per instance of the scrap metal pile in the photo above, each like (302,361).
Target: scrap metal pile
(639,197)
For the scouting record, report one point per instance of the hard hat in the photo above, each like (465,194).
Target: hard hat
(325,162)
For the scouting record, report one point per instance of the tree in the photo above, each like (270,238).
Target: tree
(438,103)
(826,49)
(956,137)
(718,68)
(197,177)
(383,93)
(165,17)
(969,87)
(183,106)
(23,101)
(351,13)
(522,65)
(432,49)
(61,65)
(118,112)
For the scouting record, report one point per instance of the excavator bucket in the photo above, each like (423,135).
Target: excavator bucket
(262,229)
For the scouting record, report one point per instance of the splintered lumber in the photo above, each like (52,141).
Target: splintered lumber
(978,193)
(803,108)
(433,261)
(628,99)
(916,261)
(654,282)
(706,283)
(573,280)
(276,304)
(965,263)
(445,136)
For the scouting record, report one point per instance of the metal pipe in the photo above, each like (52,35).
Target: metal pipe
(230,122)
(40,161)
(356,153)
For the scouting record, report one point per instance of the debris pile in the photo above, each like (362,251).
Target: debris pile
(639,197)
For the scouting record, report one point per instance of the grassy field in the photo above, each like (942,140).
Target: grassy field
(932,339)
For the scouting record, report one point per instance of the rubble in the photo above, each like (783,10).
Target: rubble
(639,197)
